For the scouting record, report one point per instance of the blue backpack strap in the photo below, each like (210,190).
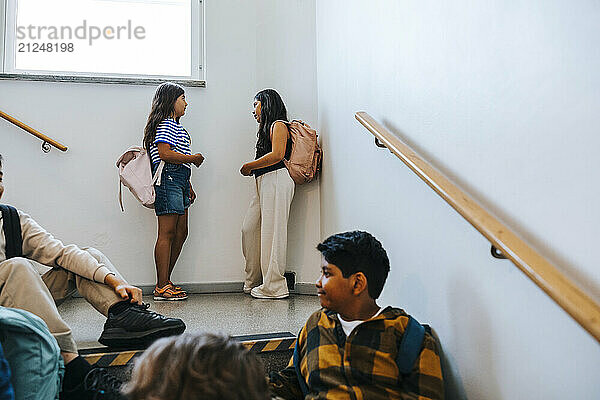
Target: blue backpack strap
(410,345)
(12,231)
(296,358)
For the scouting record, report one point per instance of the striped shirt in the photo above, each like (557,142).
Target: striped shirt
(171,132)
(363,365)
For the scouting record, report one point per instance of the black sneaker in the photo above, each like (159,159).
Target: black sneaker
(138,327)
(102,385)
(98,384)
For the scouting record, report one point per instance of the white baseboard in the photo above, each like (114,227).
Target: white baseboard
(225,287)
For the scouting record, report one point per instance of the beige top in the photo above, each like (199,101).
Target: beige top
(41,246)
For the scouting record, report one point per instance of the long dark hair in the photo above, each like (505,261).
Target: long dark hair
(271,110)
(163,106)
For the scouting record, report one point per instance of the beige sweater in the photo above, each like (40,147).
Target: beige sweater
(41,246)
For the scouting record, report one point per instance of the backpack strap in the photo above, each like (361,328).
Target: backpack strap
(287,123)
(296,360)
(121,195)
(156,179)
(12,231)
(410,345)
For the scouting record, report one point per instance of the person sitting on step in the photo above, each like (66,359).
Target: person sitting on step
(24,286)
(198,366)
(352,348)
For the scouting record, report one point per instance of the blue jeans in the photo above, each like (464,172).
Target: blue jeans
(173,194)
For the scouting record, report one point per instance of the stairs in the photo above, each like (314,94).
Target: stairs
(274,349)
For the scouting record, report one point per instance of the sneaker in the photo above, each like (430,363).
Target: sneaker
(249,286)
(102,385)
(98,384)
(247,289)
(138,326)
(257,293)
(168,293)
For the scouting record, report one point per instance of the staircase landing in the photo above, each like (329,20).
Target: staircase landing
(234,314)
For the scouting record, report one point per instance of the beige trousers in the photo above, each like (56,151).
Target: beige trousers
(22,286)
(264,232)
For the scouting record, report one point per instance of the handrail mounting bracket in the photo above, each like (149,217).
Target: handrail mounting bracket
(497,253)
(379,144)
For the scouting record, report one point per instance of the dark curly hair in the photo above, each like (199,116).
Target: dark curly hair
(199,366)
(358,251)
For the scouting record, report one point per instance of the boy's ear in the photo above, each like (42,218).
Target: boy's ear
(359,283)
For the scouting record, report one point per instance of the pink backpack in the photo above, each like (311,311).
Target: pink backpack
(135,173)
(306,156)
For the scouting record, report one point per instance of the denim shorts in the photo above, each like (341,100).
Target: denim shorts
(173,194)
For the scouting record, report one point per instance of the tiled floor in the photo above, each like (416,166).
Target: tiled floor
(230,313)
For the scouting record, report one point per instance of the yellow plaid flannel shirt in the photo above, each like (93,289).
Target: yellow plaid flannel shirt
(361,366)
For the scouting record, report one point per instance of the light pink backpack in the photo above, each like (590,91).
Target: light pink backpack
(135,173)
(306,155)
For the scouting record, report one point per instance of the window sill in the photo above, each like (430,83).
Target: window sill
(100,79)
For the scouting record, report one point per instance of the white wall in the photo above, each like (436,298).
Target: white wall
(74,194)
(503,97)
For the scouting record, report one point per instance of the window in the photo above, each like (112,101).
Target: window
(130,41)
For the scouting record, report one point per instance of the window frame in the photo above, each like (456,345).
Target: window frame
(197,52)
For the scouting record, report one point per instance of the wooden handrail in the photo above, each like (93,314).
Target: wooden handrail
(564,292)
(29,129)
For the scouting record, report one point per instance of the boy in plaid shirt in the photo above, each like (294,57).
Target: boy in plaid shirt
(352,348)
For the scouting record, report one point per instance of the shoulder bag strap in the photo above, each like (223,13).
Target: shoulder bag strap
(12,231)
(410,345)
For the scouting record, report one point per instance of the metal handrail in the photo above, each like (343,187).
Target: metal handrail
(46,141)
(543,273)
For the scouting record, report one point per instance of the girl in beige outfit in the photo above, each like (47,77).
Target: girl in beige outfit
(264,231)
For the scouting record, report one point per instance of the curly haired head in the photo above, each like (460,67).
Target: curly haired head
(358,251)
(197,366)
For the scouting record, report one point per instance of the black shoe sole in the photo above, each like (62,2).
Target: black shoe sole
(119,338)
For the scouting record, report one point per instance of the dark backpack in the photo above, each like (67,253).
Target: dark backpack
(12,231)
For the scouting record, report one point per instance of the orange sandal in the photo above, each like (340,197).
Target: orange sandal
(177,288)
(168,293)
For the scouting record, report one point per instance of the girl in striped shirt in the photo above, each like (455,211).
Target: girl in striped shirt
(166,140)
